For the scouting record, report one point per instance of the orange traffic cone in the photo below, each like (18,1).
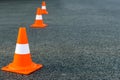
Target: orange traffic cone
(22,62)
(44,10)
(39,21)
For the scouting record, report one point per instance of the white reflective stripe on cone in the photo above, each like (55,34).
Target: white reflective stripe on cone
(43,7)
(38,17)
(22,49)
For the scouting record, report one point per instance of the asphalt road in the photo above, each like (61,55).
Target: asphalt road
(81,42)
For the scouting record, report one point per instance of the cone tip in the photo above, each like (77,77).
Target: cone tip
(22,36)
(38,8)
(22,28)
(39,11)
(43,3)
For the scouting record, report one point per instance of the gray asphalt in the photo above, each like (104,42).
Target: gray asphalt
(81,42)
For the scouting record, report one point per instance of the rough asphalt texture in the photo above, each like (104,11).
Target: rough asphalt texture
(82,41)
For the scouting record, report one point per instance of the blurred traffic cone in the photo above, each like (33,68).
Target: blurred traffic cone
(44,10)
(22,62)
(39,21)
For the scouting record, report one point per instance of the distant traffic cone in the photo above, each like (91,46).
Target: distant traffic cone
(38,21)
(22,62)
(44,10)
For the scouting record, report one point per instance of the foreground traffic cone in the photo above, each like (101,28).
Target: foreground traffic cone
(22,62)
(44,10)
(38,21)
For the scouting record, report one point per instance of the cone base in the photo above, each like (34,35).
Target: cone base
(44,12)
(22,70)
(38,26)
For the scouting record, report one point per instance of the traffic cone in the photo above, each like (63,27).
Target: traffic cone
(39,21)
(22,62)
(44,10)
